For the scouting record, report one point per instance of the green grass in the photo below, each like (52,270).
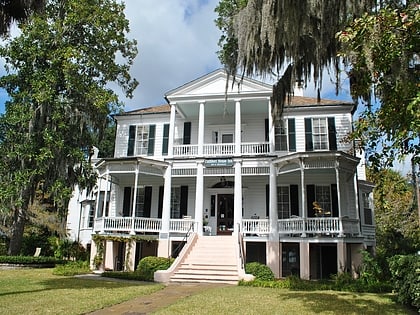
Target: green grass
(38,291)
(249,300)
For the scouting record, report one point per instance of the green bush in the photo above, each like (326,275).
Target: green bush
(405,272)
(259,271)
(126,275)
(148,265)
(30,260)
(72,268)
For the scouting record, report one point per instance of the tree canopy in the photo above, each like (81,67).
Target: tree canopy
(59,70)
(17,10)
(377,43)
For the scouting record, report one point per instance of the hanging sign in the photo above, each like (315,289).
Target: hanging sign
(218,163)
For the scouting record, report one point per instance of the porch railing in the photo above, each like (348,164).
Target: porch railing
(221,149)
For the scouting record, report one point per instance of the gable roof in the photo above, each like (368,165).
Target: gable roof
(159,109)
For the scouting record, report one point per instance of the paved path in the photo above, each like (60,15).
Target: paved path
(152,302)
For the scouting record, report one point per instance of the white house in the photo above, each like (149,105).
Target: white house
(286,191)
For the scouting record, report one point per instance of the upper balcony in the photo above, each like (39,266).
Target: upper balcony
(222,149)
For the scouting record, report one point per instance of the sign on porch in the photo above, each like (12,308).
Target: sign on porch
(218,163)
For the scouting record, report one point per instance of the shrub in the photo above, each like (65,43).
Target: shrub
(126,275)
(405,272)
(259,271)
(148,265)
(30,260)
(72,268)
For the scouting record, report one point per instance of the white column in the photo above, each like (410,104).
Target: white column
(164,244)
(133,211)
(340,215)
(237,127)
(271,131)
(357,200)
(237,212)
(199,192)
(274,235)
(201,128)
(171,131)
(303,194)
(305,272)
(97,197)
(106,194)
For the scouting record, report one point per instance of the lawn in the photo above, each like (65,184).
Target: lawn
(38,291)
(248,300)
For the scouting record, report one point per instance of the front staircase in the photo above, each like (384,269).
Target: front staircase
(212,259)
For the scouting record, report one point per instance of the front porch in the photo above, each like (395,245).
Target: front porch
(299,227)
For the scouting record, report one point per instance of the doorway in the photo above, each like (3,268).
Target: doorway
(225,207)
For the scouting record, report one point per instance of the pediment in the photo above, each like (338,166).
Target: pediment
(214,83)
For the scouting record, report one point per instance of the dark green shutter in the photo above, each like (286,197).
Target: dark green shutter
(187,133)
(151,142)
(310,198)
(267,132)
(267,201)
(165,140)
(160,202)
(334,200)
(292,134)
(309,146)
(294,200)
(127,202)
(184,200)
(131,140)
(332,136)
(147,201)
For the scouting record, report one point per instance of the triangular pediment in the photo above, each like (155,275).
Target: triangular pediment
(214,84)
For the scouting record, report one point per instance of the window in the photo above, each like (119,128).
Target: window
(283,202)
(91,214)
(320,134)
(323,201)
(367,208)
(280,133)
(141,140)
(227,138)
(176,202)
(165,139)
(140,202)
(102,207)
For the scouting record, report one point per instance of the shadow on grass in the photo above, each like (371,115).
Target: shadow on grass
(344,303)
(78,283)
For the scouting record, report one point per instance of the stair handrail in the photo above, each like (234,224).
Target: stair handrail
(184,239)
(241,247)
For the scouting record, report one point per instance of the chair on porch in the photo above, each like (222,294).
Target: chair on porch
(37,252)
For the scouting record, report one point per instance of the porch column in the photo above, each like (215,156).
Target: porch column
(237,212)
(201,128)
(340,215)
(163,247)
(171,130)
(303,195)
(271,131)
(130,255)
(199,192)
(106,210)
(341,257)
(356,198)
(305,272)
(238,127)
(97,197)
(133,211)
(273,244)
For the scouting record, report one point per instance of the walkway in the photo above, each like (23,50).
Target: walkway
(149,303)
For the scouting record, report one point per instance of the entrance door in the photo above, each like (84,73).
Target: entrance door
(225,214)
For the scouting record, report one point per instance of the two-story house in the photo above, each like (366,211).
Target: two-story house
(287,191)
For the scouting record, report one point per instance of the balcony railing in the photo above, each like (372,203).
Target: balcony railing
(222,149)
(254,227)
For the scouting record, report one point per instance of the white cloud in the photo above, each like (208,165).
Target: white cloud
(177,42)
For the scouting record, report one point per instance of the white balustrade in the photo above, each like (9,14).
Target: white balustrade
(147,224)
(255,148)
(181,225)
(219,149)
(255,226)
(186,150)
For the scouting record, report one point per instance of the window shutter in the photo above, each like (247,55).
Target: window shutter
(187,133)
(310,198)
(292,134)
(160,202)
(184,200)
(147,201)
(151,142)
(131,140)
(127,202)
(165,140)
(332,136)
(334,200)
(308,135)
(267,201)
(267,132)
(294,200)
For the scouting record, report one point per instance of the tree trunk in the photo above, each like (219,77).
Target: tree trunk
(17,232)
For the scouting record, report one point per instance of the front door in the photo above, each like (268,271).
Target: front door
(225,214)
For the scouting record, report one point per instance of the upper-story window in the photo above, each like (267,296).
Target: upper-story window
(284,135)
(320,134)
(367,208)
(141,140)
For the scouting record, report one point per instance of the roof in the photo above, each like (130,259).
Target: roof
(298,101)
(159,109)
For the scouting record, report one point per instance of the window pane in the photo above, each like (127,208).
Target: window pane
(283,202)
(323,201)
(319,134)
(280,133)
